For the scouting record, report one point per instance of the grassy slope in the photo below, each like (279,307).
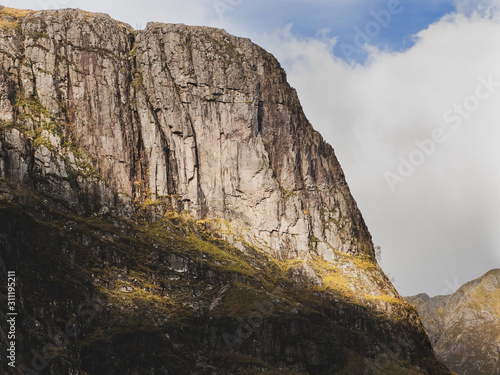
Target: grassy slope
(173,294)
(180,297)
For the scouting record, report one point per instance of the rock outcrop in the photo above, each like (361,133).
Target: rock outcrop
(464,327)
(186,113)
(172,173)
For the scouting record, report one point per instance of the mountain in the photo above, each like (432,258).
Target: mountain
(166,208)
(464,327)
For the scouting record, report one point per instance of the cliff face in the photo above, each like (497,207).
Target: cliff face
(173,173)
(464,327)
(190,115)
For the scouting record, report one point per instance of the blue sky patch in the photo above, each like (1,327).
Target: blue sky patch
(386,24)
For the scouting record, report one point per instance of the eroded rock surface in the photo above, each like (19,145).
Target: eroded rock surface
(464,327)
(170,175)
(188,114)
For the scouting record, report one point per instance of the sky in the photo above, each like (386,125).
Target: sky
(408,94)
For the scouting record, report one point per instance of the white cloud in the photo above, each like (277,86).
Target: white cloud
(486,7)
(441,222)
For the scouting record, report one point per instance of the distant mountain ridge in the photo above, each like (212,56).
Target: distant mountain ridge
(464,327)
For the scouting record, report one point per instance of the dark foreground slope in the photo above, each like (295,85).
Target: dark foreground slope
(464,327)
(168,209)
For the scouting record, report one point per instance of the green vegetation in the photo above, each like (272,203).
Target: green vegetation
(100,51)
(34,119)
(175,275)
(165,275)
(250,365)
(39,35)
(4,24)
(9,17)
(35,108)
(167,278)
(356,364)
(13,125)
(15,13)
(137,82)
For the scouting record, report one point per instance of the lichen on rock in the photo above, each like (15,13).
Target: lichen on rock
(173,171)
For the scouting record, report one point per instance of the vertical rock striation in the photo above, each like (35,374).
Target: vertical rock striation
(172,173)
(186,112)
